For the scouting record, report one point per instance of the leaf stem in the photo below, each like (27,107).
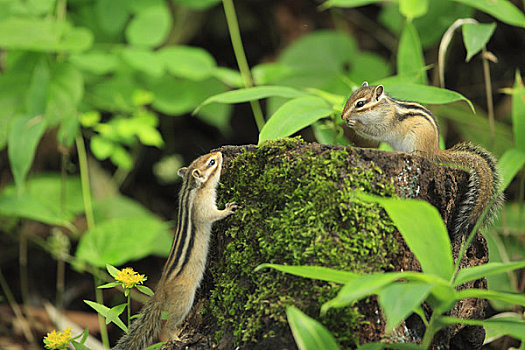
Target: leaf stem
(240,56)
(429,332)
(102,324)
(488,92)
(84,179)
(129,309)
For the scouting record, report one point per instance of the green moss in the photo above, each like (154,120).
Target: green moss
(297,207)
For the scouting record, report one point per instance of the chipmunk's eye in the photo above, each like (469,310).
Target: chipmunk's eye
(360,104)
(211,162)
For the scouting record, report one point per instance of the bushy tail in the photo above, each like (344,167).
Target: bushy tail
(144,329)
(483,187)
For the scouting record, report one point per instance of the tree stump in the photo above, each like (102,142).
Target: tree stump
(298,208)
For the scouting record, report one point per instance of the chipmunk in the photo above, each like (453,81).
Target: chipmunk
(411,128)
(184,267)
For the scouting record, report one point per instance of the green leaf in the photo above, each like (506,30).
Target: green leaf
(423,230)
(109,285)
(111,315)
(413,8)
(121,158)
(269,73)
(230,77)
(477,272)
(26,206)
(96,62)
(112,270)
(145,290)
(144,60)
(114,94)
(79,346)
(198,4)
(36,98)
(251,94)
(68,131)
(510,163)
(43,35)
(156,346)
(518,112)
(476,36)
(423,93)
(410,60)
(504,326)
(518,299)
(150,27)
(120,240)
(111,16)
(23,137)
(101,147)
(349,3)
(503,10)
(398,301)
(188,62)
(360,288)
(308,333)
(65,92)
(314,272)
(293,116)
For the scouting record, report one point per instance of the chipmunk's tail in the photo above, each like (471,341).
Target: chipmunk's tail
(144,329)
(483,188)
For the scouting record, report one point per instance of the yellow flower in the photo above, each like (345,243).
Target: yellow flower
(130,278)
(58,340)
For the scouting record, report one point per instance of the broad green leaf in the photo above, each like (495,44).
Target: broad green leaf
(508,323)
(321,51)
(79,346)
(119,206)
(111,16)
(308,333)
(476,36)
(293,116)
(504,326)
(518,299)
(251,94)
(13,90)
(503,10)
(398,300)
(101,147)
(145,290)
(27,207)
(121,240)
(121,158)
(111,315)
(424,232)
(518,112)
(198,4)
(95,61)
(43,35)
(65,92)
(368,66)
(144,60)
(230,77)
(413,8)
(349,3)
(410,60)
(360,288)
(109,285)
(149,27)
(423,93)
(112,270)
(114,94)
(188,62)
(324,134)
(68,131)
(23,137)
(314,272)
(510,163)
(36,98)
(477,272)
(269,73)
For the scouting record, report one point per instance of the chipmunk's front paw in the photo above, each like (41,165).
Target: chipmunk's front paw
(231,207)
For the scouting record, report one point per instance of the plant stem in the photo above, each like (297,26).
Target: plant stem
(488,92)
(16,309)
(84,179)
(240,56)
(129,309)
(100,299)
(429,332)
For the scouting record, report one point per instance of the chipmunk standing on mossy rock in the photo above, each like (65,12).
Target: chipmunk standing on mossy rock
(411,128)
(185,265)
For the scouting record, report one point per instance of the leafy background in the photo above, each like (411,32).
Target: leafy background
(129,91)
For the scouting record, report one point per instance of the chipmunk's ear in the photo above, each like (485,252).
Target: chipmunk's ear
(378,92)
(365,84)
(182,171)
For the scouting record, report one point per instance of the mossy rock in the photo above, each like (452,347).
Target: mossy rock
(297,207)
